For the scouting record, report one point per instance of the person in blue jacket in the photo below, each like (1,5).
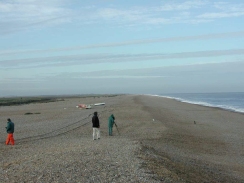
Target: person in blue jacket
(110,124)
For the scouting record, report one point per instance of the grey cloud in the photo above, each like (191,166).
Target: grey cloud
(161,72)
(13,28)
(133,42)
(118,77)
(191,78)
(228,6)
(220,15)
(224,10)
(21,81)
(24,14)
(154,15)
(38,13)
(182,6)
(218,77)
(109,58)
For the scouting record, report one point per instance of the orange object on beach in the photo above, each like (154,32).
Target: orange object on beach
(10,138)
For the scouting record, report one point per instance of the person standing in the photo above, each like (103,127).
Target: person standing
(10,131)
(110,124)
(95,126)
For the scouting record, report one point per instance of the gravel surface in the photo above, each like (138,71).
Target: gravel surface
(56,145)
(156,141)
(63,159)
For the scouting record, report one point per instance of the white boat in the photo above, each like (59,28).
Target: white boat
(99,104)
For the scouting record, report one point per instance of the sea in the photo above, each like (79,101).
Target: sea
(232,101)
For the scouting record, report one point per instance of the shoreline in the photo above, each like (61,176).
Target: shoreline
(214,144)
(200,103)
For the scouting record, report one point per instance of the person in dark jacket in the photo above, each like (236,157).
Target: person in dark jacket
(110,124)
(95,126)
(10,131)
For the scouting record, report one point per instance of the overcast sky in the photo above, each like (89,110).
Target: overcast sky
(54,47)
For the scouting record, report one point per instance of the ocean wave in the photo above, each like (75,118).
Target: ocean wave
(206,104)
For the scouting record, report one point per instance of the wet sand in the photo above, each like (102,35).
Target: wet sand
(158,141)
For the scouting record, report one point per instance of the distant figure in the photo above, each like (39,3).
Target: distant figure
(10,131)
(110,124)
(95,126)
(194,122)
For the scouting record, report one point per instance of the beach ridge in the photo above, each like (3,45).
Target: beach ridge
(159,140)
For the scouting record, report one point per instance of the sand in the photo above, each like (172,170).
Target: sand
(158,141)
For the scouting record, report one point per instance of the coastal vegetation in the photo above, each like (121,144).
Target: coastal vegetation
(11,101)
(25,100)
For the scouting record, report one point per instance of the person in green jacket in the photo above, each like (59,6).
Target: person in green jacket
(110,124)
(10,131)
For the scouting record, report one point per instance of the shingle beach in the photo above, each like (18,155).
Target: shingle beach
(158,140)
